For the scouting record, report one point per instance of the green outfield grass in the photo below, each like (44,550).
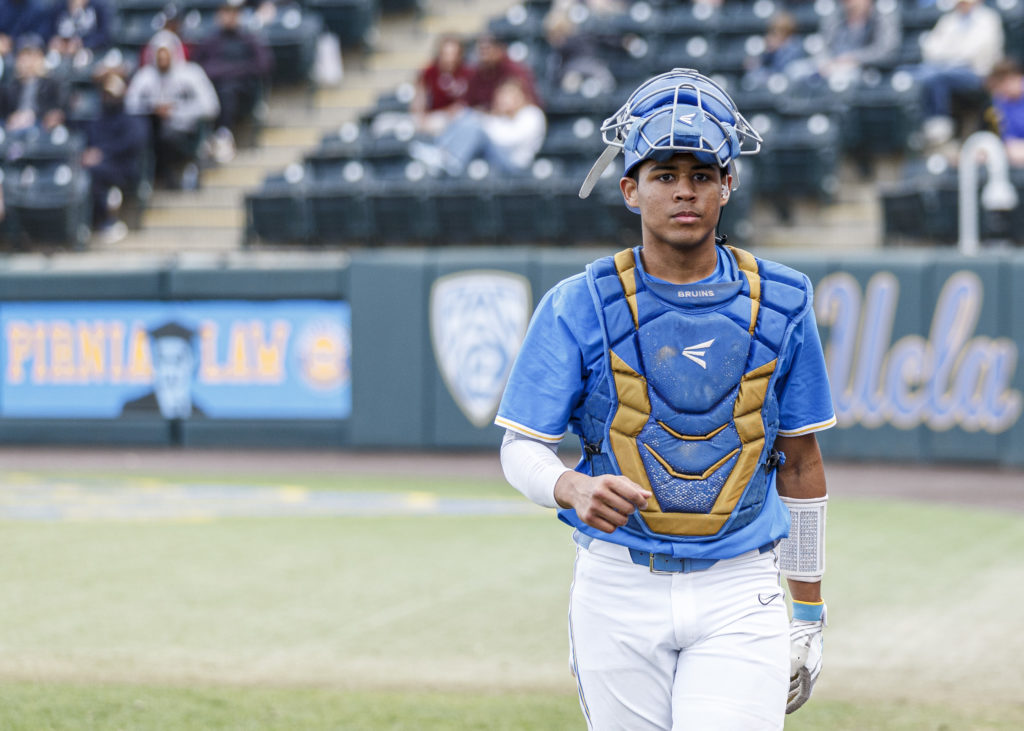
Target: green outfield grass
(456,622)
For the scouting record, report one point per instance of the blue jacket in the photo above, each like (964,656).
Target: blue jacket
(22,17)
(123,138)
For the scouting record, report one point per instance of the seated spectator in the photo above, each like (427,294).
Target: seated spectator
(31,99)
(575,60)
(180,101)
(1006,85)
(82,24)
(21,18)
(958,53)
(782,46)
(493,66)
(441,87)
(237,62)
(858,35)
(508,137)
(116,146)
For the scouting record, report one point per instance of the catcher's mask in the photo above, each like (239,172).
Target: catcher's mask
(678,111)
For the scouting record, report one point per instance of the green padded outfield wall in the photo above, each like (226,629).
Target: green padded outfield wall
(922,347)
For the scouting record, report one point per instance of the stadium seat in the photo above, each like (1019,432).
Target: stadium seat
(339,214)
(746,18)
(527,207)
(573,143)
(351,20)
(401,212)
(48,205)
(517,23)
(883,115)
(279,212)
(687,20)
(800,159)
(692,51)
(464,212)
(292,38)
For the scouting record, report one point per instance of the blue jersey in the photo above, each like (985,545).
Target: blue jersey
(563,359)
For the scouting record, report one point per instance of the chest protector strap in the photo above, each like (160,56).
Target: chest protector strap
(709,479)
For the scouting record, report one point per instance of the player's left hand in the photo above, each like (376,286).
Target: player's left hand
(804,660)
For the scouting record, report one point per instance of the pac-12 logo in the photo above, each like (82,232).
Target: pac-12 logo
(478,321)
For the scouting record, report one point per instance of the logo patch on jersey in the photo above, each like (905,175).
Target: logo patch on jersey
(478,319)
(696,352)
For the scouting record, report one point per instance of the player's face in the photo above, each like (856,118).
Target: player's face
(679,201)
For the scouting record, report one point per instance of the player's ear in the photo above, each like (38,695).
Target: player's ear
(726,188)
(628,186)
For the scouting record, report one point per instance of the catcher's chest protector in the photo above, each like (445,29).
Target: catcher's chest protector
(689,411)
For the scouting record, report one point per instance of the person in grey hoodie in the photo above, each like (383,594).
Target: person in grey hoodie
(180,102)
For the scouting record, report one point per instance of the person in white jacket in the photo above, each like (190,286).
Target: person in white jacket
(181,103)
(958,54)
(508,137)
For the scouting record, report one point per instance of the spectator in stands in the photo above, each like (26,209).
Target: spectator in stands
(441,87)
(31,99)
(117,143)
(82,24)
(1005,83)
(493,66)
(575,61)
(782,47)
(958,54)
(180,101)
(856,36)
(20,18)
(508,137)
(237,62)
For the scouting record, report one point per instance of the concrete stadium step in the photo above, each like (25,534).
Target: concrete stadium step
(174,240)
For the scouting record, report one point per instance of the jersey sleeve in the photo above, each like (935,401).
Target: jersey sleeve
(547,381)
(805,399)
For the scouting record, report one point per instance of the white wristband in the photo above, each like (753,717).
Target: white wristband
(802,554)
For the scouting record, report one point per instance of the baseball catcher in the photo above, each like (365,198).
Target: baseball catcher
(692,374)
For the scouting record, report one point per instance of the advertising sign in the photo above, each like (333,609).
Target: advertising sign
(217,359)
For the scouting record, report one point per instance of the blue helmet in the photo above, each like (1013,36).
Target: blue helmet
(678,111)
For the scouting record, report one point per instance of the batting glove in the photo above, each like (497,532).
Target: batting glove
(805,636)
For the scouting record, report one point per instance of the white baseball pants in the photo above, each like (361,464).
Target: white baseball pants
(707,650)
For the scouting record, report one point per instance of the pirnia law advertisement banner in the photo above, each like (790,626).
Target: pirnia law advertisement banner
(227,359)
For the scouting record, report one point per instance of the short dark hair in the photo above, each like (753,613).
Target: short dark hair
(1003,69)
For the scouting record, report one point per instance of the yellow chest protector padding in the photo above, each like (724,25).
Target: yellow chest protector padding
(737,440)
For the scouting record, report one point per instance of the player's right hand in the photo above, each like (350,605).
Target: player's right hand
(805,657)
(604,502)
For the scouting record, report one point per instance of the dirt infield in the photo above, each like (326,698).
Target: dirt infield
(957,484)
